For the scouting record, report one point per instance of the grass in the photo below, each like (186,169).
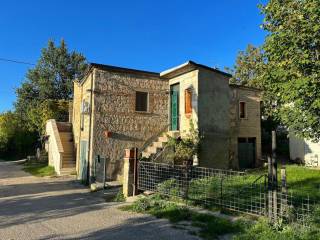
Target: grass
(209,226)
(39,169)
(303,182)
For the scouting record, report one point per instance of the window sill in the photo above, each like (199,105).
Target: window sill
(143,112)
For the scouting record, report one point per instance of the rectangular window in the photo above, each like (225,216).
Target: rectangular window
(142,101)
(188,101)
(242,110)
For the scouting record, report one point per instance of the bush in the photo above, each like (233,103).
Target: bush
(119,197)
(263,230)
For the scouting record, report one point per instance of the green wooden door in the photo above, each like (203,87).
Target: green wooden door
(246,155)
(174,110)
(83,166)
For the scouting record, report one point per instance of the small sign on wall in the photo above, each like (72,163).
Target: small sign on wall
(108,134)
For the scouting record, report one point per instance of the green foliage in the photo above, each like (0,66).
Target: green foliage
(249,67)
(169,188)
(210,227)
(15,140)
(119,197)
(49,86)
(287,65)
(293,52)
(187,147)
(48,109)
(39,169)
(262,230)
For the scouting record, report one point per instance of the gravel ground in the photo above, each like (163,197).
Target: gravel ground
(61,208)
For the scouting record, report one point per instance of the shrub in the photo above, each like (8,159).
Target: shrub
(119,197)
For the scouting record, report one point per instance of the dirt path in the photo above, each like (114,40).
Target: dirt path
(61,208)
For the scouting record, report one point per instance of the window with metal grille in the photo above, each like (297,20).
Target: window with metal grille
(188,101)
(242,110)
(142,101)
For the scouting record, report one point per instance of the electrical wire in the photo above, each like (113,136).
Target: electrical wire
(16,61)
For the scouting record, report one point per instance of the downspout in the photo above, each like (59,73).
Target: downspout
(90,132)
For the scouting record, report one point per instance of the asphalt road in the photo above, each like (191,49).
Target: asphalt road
(61,208)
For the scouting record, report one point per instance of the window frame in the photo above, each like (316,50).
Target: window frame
(244,109)
(188,107)
(148,98)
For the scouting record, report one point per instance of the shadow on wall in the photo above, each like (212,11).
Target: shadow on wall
(123,137)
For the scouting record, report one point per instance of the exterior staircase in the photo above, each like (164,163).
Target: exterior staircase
(68,161)
(158,145)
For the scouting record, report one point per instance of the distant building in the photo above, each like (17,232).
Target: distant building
(304,151)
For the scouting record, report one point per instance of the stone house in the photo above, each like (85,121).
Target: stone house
(117,108)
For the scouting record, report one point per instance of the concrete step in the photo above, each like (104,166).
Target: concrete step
(68,160)
(151,149)
(68,149)
(158,144)
(146,154)
(68,165)
(163,139)
(68,155)
(68,171)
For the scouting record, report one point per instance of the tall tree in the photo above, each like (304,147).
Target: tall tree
(249,67)
(50,80)
(287,66)
(292,49)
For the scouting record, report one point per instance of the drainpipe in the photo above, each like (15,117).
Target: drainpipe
(90,132)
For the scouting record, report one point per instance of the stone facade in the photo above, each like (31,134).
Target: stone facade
(115,125)
(112,124)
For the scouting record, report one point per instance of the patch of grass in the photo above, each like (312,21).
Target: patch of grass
(262,230)
(39,169)
(210,227)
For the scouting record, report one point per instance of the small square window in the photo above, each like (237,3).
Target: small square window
(242,110)
(142,101)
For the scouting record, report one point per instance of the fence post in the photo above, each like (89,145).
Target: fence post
(284,192)
(128,173)
(186,177)
(270,188)
(135,171)
(275,178)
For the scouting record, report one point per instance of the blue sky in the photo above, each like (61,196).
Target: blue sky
(142,34)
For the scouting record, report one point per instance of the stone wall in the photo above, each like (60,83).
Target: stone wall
(114,112)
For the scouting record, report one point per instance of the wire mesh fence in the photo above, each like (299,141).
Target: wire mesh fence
(232,190)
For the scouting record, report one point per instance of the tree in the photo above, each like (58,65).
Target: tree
(287,66)
(292,50)
(249,67)
(47,84)
(15,140)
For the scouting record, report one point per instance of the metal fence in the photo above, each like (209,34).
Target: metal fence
(232,190)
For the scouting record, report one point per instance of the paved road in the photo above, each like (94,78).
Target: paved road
(60,208)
